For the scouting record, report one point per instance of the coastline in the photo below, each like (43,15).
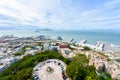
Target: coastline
(90,35)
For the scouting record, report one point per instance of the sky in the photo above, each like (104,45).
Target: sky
(60,14)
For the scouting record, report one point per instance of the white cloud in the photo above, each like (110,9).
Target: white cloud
(55,14)
(112,4)
(30,13)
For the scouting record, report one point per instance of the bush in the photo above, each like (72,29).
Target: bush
(18,53)
(86,48)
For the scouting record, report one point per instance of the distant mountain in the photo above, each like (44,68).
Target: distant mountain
(46,29)
(7,28)
(23,28)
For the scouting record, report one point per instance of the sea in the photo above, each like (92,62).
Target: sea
(92,36)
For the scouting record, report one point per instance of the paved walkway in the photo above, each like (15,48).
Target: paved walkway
(57,66)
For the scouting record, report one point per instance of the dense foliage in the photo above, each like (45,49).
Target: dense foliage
(22,69)
(79,69)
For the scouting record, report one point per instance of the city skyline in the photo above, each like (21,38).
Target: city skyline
(60,14)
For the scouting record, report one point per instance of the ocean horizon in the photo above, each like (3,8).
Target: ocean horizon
(92,36)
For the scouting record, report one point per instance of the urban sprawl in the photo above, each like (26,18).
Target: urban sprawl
(103,56)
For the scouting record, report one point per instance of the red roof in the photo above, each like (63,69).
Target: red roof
(63,46)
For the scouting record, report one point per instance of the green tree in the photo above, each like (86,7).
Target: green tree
(24,74)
